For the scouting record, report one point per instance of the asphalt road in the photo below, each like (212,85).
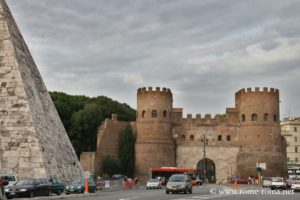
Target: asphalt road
(200,193)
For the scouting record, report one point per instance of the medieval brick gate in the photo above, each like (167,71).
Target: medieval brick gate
(210,170)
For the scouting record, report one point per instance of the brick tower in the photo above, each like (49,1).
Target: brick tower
(259,128)
(154,146)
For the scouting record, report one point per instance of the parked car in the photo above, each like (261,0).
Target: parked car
(179,183)
(289,182)
(278,183)
(29,188)
(266,181)
(296,186)
(153,184)
(11,178)
(78,186)
(57,186)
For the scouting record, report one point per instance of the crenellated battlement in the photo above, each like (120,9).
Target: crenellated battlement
(153,89)
(257,90)
(206,120)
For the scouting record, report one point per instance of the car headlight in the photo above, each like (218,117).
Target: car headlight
(79,187)
(67,187)
(6,190)
(23,190)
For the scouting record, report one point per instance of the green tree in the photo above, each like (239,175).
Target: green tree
(110,165)
(126,151)
(82,116)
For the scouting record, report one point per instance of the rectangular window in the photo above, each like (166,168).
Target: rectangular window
(296,160)
(295,129)
(288,159)
(295,139)
(296,149)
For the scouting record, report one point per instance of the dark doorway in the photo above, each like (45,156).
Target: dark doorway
(210,170)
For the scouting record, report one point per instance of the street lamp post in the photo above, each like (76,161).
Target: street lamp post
(204,153)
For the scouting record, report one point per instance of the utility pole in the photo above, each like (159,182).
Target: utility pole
(204,153)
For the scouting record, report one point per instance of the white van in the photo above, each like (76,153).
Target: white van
(11,178)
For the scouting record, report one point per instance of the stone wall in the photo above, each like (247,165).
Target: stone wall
(108,138)
(224,158)
(33,141)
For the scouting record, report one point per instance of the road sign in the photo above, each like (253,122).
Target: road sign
(87,175)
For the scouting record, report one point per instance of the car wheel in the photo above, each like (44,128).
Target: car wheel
(58,192)
(185,191)
(167,192)
(31,194)
(191,191)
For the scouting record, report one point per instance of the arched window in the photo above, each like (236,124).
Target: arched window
(219,137)
(275,118)
(192,138)
(266,116)
(165,113)
(154,113)
(143,114)
(228,137)
(254,117)
(183,137)
(243,117)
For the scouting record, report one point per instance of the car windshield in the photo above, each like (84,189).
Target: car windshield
(25,182)
(8,178)
(277,179)
(77,181)
(177,179)
(153,180)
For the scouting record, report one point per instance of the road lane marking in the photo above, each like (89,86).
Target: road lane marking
(129,198)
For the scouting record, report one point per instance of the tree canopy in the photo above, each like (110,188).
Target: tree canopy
(81,117)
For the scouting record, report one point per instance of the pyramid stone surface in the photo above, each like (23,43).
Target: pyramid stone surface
(33,141)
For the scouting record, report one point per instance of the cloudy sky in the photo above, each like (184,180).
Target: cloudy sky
(203,50)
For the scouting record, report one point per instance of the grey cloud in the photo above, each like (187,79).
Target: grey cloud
(203,50)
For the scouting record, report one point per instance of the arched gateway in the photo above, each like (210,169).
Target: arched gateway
(210,170)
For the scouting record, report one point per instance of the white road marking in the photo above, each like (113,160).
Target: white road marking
(129,198)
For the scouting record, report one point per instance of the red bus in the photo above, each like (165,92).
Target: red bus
(164,173)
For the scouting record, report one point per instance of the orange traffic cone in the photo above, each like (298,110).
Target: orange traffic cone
(86,188)
(235,184)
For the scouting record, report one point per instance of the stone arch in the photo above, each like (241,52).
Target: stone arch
(219,137)
(143,113)
(154,113)
(266,116)
(210,169)
(165,113)
(192,138)
(243,117)
(254,117)
(183,137)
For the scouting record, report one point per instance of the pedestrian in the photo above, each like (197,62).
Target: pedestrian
(136,181)
(2,184)
(249,180)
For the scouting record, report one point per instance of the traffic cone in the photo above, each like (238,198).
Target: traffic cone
(86,188)
(235,184)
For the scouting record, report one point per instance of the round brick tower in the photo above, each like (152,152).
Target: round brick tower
(154,145)
(260,137)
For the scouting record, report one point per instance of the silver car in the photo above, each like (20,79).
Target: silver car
(179,183)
